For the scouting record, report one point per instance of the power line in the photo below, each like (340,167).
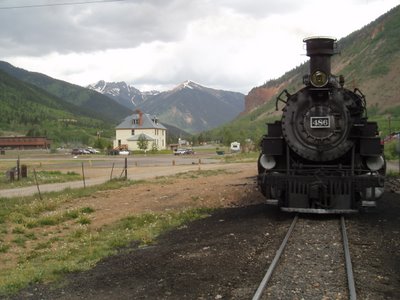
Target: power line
(60,4)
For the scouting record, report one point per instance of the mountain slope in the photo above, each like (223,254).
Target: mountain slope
(369,60)
(96,104)
(26,109)
(193,107)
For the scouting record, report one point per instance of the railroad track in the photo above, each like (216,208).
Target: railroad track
(261,291)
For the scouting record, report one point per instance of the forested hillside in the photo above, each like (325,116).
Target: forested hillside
(95,104)
(28,110)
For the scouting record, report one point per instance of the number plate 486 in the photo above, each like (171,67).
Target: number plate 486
(320,122)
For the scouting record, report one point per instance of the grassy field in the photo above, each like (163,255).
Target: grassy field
(39,242)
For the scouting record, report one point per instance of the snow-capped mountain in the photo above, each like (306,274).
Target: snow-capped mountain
(121,92)
(193,107)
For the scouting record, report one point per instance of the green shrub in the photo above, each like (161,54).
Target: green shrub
(391,150)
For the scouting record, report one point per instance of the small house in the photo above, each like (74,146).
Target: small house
(138,127)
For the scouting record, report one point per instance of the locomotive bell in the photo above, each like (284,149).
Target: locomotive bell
(320,50)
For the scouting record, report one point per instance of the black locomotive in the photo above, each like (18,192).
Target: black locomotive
(323,156)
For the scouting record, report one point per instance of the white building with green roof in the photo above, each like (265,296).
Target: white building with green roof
(137,127)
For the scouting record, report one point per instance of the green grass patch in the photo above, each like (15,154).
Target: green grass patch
(83,248)
(189,175)
(4,247)
(392,174)
(43,245)
(30,236)
(71,214)
(43,177)
(86,210)
(391,150)
(20,241)
(18,230)
(242,157)
(27,210)
(59,218)
(201,173)
(83,220)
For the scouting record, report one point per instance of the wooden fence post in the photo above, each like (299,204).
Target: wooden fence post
(126,168)
(83,176)
(37,184)
(112,169)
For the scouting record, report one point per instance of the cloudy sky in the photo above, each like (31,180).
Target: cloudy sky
(157,44)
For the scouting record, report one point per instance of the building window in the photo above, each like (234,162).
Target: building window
(133,131)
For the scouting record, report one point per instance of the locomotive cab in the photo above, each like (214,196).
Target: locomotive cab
(323,156)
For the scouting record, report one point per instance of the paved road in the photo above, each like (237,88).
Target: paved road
(133,174)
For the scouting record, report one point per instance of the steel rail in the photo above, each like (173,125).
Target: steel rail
(272,266)
(349,267)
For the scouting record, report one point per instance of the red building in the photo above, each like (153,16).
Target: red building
(25,142)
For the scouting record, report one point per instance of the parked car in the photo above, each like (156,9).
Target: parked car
(179,151)
(76,151)
(92,150)
(183,151)
(189,151)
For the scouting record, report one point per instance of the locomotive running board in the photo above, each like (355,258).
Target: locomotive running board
(272,201)
(368,203)
(319,210)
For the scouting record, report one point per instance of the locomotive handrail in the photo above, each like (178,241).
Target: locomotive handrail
(363,100)
(287,94)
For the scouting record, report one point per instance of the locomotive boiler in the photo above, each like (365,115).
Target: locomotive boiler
(323,156)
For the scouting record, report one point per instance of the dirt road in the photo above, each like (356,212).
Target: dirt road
(95,175)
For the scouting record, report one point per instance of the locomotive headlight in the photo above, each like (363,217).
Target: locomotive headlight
(375,163)
(267,162)
(319,79)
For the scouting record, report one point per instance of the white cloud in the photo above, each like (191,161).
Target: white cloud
(227,44)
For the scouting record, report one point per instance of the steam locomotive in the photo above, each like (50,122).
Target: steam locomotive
(323,156)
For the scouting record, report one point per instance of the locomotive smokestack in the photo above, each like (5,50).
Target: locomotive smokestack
(320,50)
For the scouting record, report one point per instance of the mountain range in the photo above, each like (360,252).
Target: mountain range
(121,92)
(189,106)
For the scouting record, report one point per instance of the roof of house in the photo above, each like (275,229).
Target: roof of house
(136,137)
(147,122)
